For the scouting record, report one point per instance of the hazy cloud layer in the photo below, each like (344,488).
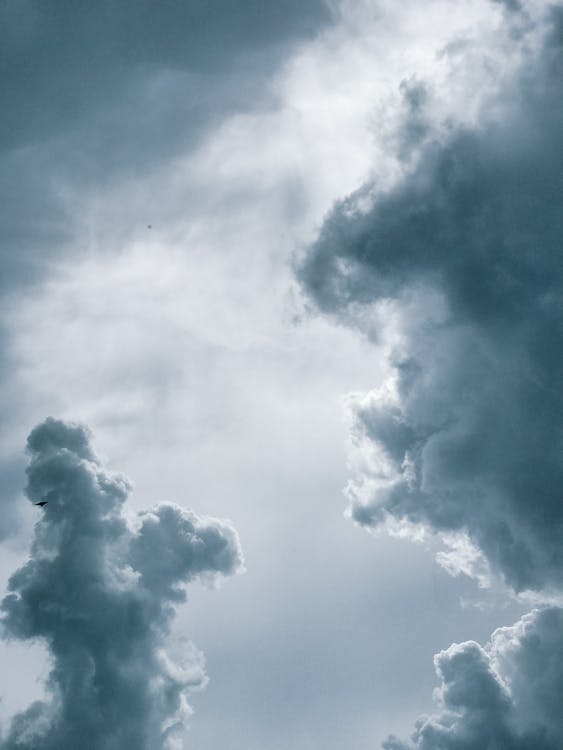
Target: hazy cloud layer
(506,695)
(95,95)
(99,590)
(460,264)
(90,93)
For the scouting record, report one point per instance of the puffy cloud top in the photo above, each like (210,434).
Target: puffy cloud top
(99,591)
(506,695)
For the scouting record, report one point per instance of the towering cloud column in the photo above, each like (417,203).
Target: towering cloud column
(99,590)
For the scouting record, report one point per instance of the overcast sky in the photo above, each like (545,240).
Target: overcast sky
(282,349)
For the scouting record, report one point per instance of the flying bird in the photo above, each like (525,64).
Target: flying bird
(41,503)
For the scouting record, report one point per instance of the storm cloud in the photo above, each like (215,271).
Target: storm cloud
(457,270)
(455,273)
(99,589)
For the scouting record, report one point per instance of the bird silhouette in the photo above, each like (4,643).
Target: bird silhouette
(41,503)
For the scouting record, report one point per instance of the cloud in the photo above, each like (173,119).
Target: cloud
(456,272)
(506,695)
(513,6)
(99,590)
(55,79)
(94,95)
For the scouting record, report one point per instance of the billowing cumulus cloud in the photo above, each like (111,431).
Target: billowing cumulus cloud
(455,272)
(99,589)
(457,269)
(506,695)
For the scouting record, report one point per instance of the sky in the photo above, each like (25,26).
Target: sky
(281,349)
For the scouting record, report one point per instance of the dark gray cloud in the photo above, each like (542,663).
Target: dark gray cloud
(99,590)
(56,58)
(457,272)
(11,471)
(468,432)
(514,6)
(103,67)
(90,93)
(506,695)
